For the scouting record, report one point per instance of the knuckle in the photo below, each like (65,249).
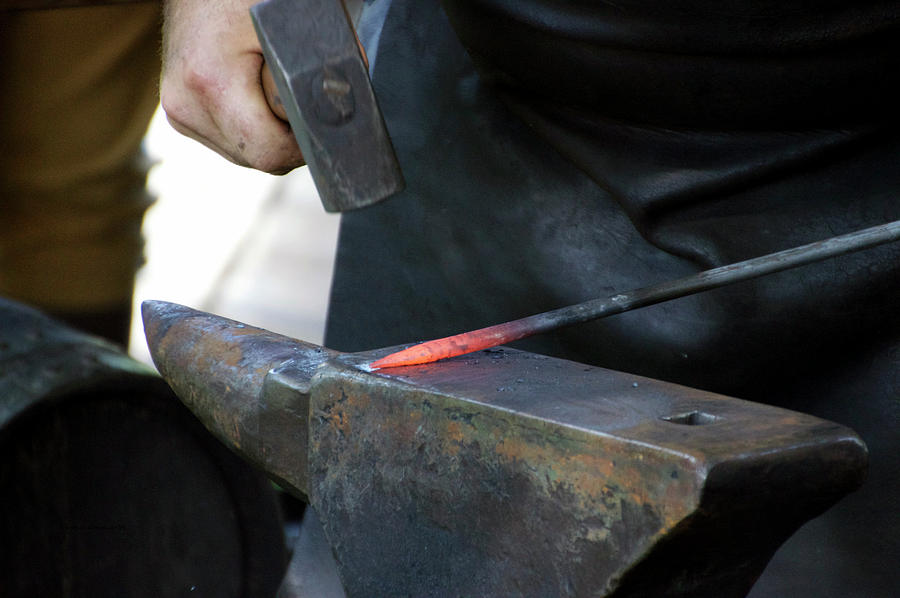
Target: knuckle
(271,154)
(272,163)
(171,103)
(199,82)
(289,158)
(269,165)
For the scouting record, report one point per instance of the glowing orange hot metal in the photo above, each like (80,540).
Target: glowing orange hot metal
(500,334)
(459,344)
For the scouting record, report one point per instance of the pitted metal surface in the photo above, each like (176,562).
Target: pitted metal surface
(516,474)
(510,473)
(219,367)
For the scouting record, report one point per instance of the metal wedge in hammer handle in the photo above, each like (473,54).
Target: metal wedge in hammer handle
(323,83)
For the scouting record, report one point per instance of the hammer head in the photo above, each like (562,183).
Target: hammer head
(323,82)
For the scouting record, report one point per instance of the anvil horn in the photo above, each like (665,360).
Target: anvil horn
(220,368)
(510,473)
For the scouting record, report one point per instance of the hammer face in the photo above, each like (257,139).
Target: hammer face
(322,80)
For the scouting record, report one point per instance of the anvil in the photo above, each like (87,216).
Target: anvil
(508,473)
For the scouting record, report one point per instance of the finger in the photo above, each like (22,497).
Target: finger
(273,98)
(224,108)
(253,132)
(206,141)
(189,111)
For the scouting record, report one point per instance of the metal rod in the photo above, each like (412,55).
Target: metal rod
(508,332)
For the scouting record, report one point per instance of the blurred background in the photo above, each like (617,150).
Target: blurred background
(233,241)
(108,484)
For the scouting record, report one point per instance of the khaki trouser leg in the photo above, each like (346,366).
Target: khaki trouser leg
(77,90)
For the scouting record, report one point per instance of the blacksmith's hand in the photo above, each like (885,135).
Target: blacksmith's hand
(211,85)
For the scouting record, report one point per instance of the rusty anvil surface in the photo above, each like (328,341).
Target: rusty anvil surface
(506,472)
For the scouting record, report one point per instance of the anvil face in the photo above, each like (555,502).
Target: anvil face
(510,473)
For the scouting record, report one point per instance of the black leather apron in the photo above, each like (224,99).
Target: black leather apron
(530,187)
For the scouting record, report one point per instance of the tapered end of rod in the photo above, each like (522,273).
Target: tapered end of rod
(415,355)
(459,344)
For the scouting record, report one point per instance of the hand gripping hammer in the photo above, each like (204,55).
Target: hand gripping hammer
(322,83)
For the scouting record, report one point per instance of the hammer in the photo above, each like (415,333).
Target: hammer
(506,472)
(316,77)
